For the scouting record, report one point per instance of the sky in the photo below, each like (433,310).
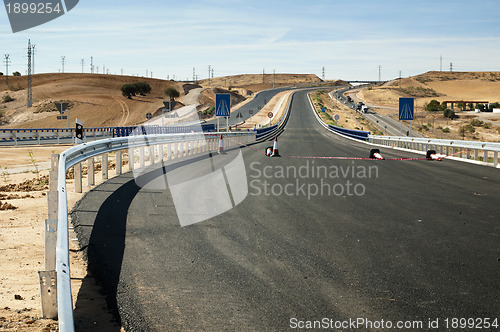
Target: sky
(350,39)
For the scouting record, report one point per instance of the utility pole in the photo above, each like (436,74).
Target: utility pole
(30,93)
(63,61)
(83,64)
(451,67)
(33,58)
(323,75)
(7,61)
(212,73)
(91,64)
(379,73)
(263,76)
(441,63)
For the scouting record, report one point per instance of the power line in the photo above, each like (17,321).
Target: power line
(7,62)
(33,58)
(63,61)
(30,92)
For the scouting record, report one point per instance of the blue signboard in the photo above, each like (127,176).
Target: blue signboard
(406,108)
(223,104)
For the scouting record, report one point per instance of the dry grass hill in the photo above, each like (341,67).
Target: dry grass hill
(444,86)
(97,100)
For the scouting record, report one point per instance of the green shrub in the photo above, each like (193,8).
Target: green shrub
(446,130)
(7,98)
(476,122)
(487,125)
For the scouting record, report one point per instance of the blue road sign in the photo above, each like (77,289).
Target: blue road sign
(406,108)
(223,104)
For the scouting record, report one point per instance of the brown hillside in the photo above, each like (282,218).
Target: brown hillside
(256,82)
(96,100)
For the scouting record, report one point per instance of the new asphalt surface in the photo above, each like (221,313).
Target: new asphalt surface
(411,240)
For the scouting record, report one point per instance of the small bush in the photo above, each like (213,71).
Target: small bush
(446,130)
(7,98)
(16,73)
(487,125)
(476,123)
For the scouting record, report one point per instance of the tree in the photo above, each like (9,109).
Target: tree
(433,106)
(16,73)
(142,88)
(129,90)
(492,106)
(481,107)
(1,74)
(172,93)
(449,113)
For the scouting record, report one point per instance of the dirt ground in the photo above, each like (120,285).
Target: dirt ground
(445,86)
(23,210)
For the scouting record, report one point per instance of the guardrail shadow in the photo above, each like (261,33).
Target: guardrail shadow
(102,233)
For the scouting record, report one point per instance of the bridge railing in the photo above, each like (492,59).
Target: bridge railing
(485,153)
(51,135)
(55,281)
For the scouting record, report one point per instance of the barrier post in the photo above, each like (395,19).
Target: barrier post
(77,170)
(118,162)
(90,172)
(104,166)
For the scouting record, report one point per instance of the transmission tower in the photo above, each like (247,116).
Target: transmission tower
(263,76)
(33,59)
(323,75)
(30,93)
(451,67)
(7,62)
(63,61)
(83,64)
(379,73)
(91,64)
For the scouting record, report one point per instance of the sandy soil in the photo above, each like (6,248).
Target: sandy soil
(22,249)
(469,86)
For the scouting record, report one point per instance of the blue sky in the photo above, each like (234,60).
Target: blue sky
(349,39)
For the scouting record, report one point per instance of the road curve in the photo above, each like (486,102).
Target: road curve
(419,240)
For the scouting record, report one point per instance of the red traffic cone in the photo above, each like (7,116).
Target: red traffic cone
(221,145)
(275,148)
(375,154)
(431,155)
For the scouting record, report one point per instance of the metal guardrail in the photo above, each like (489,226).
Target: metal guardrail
(45,135)
(459,150)
(77,154)
(358,135)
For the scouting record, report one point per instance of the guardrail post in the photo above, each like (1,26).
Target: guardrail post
(485,156)
(152,154)
(48,292)
(175,152)
(495,158)
(141,157)
(118,162)
(131,159)
(169,151)
(90,172)
(104,166)
(77,170)
(468,154)
(476,154)
(160,153)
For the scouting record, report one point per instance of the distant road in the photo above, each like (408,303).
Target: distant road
(419,241)
(383,122)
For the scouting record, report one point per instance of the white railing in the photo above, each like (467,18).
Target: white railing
(455,149)
(77,154)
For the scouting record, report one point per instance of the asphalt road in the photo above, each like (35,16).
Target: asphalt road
(412,240)
(251,108)
(383,122)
